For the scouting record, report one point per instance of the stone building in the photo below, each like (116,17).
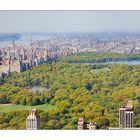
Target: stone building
(33,120)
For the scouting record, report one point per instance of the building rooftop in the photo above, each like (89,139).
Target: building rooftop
(130,104)
(32,111)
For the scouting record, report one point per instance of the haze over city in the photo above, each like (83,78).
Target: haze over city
(69,21)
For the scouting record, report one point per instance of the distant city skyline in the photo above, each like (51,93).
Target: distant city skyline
(69,21)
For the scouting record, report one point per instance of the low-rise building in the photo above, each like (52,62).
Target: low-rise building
(85,125)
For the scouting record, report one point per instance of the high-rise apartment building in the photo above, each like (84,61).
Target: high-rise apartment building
(122,117)
(126,119)
(33,120)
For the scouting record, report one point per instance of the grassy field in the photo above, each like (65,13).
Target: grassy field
(7,108)
(100,70)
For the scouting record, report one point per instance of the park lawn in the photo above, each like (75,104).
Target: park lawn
(97,71)
(8,108)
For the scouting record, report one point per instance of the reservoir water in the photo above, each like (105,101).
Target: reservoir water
(37,88)
(132,62)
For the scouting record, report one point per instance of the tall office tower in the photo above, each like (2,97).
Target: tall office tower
(33,120)
(126,115)
(9,64)
(33,54)
(80,123)
(14,43)
(1,59)
(23,55)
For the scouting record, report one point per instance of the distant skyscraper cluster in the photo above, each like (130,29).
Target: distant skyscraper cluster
(21,59)
(22,56)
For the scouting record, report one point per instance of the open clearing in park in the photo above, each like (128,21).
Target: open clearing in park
(98,71)
(12,107)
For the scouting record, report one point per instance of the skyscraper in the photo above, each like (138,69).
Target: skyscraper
(33,120)
(126,119)
(122,117)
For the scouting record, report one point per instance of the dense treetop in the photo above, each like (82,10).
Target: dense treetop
(94,91)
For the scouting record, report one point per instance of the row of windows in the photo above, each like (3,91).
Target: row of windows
(31,119)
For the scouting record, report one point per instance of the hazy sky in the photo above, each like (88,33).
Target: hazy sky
(69,21)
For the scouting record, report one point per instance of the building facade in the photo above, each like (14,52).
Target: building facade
(84,125)
(122,117)
(33,120)
(80,124)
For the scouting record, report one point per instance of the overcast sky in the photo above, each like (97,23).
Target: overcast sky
(69,21)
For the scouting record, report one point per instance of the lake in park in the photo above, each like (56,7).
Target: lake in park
(38,88)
